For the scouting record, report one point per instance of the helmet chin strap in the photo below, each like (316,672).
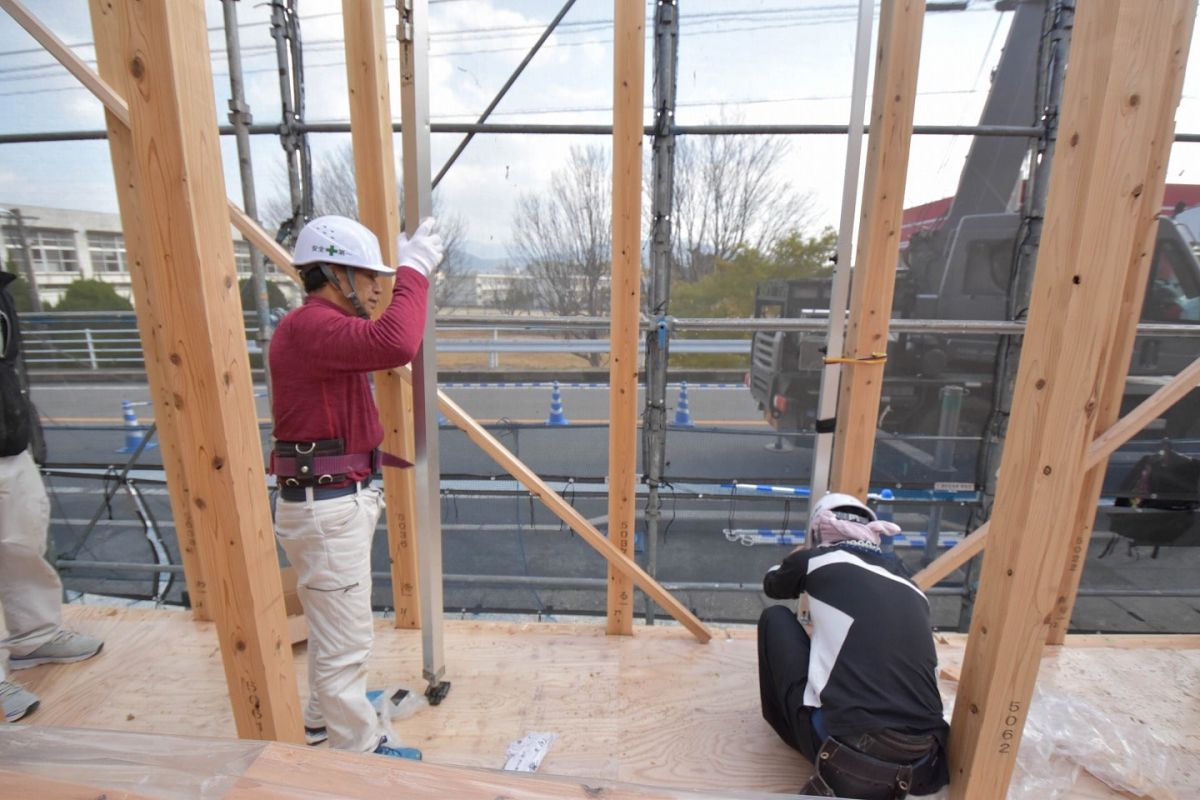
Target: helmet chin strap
(347,290)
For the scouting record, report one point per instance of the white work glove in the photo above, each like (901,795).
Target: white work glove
(424,251)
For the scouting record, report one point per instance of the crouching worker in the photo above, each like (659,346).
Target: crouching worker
(327,434)
(859,698)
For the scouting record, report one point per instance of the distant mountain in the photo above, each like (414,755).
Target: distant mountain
(472,262)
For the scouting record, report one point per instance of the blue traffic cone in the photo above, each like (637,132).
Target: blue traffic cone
(557,417)
(683,415)
(133,432)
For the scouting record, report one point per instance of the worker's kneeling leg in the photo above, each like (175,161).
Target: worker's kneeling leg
(783,652)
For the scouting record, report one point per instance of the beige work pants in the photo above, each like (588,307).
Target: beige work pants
(30,590)
(329,544)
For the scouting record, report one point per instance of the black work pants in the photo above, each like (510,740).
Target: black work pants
(783,652)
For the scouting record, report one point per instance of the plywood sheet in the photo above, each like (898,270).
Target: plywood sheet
(655,709)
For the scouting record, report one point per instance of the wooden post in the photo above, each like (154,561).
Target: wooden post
(110,62)
(378,209)
(874,281)
(197,316)
(1116,368)
(629,56)
(488,443)
(1122,87)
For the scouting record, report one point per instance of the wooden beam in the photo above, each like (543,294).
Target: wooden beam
(952,559)
(378,209)
(629,56)
(110,61)
(1124,80)
(197,312)
(490,445)
(617,559)
(114,103)
(1100,449)
(1146,412)
(1115,367)
(874,281)
(65,56)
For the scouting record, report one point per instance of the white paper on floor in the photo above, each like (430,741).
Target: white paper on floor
(526,754)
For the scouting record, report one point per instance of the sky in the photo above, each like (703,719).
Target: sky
(751,61)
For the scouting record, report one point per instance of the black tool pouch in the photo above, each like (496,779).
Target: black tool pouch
(842,771)
(304,455)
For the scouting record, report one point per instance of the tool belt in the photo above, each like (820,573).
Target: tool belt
(323,462)
(844,771)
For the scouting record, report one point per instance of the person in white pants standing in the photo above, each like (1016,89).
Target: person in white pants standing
(30,590)
(327,434)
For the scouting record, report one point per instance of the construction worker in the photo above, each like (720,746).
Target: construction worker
(30,590)
(859,699)
(327,434)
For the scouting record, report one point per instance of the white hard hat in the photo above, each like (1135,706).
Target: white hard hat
(339,240)
(835,500)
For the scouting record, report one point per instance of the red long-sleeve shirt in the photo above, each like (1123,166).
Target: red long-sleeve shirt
(321,358)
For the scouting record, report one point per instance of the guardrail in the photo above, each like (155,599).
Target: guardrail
(117,345)
(96,341)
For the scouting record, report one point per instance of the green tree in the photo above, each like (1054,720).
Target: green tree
(275,296)
(728,291)
(92,295)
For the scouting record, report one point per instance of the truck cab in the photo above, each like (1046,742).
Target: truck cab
(963,274)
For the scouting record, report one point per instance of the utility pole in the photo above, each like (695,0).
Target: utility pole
(654,436)
(35,302)
(240,117)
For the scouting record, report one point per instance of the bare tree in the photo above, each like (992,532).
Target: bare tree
(729,194)
(335,193)
(564,237)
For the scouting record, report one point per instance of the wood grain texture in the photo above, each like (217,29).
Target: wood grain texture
(1120,79)
(680,715)
(204,359)
(874,282)
(1114,366)
(110,61)
(378,209)
(22,784)
(629,56)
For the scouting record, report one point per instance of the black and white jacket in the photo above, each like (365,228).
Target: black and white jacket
(872,663)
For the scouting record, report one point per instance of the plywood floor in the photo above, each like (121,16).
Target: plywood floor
(656,708)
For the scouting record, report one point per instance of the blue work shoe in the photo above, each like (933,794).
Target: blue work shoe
(314,736)
(386,748)
(65,647)
(19,702)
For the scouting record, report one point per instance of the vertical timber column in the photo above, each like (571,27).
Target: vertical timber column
(629,55)
(874,281)
(110,62)
(1116,365)
(1122,87)
(378,209)
(418,204)
(198,315)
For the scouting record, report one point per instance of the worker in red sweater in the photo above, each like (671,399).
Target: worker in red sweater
(327,437)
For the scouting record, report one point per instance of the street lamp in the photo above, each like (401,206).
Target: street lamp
(35,302)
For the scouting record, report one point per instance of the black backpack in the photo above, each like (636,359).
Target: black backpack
(19,424)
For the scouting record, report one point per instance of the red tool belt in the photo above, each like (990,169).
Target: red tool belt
(323,462)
